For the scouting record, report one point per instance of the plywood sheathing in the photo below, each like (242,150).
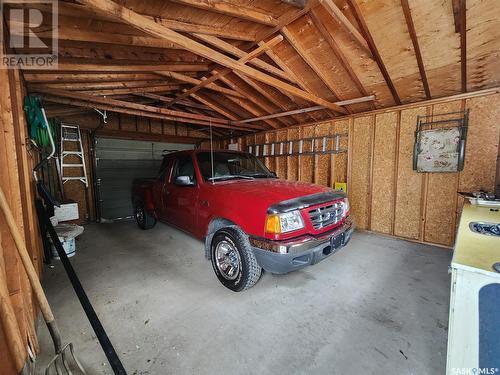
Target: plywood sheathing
(383,186)
(386,194)
(359,180)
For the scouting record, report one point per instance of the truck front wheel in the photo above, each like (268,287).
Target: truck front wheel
(233,260)
(143,218)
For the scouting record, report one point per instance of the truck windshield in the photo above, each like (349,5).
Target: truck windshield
(230,165)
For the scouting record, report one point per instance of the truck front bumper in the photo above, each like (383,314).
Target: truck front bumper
(290,255)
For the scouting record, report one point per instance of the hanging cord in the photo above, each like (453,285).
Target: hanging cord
(211,152)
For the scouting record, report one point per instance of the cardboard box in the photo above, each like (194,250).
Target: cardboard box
(67,211)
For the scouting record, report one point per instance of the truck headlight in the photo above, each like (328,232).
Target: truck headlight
(346,206)
(283,223)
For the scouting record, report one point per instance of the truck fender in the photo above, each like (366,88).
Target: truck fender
(147,200)
(214,225)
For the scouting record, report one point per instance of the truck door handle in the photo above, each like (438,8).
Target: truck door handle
(205,203)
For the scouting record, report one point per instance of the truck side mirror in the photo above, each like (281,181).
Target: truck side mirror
(184,181)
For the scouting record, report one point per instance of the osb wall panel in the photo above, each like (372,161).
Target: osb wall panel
(339,161)
(385,145)
(281,161)
(359,180)
(441,195)
(386,194)
(292,168)
(306,162)
(408,209)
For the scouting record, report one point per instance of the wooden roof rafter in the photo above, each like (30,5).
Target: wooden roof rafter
(215,76)
(77,10)
(132,18)
(373,49)
(460,20)
(416,47)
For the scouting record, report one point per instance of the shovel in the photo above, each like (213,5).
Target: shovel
(64,361)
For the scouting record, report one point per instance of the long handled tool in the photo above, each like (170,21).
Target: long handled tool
(60,362)
(9,324)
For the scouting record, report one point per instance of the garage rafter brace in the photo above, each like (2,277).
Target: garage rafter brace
(160,30)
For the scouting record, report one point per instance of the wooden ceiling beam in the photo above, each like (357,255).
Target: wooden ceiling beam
(416,47)
(132,90)
(79,35)
(338,52)
(215,76)
(356,11)
(150,137)
(166,99)
(251,109)
(285,19)
(132,18)
(84,77)
(77,10)
(262,90)
(120,103)
(76,86)
(305,110)
(235,51)
(196,81)
(300,81)
(344,22)
(258,100)
(304,54)
(460,16)
(125,67)
(231,9)
(135,112)
(217,107)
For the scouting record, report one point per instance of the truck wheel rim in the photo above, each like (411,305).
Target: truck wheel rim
(228,260)
(139,214)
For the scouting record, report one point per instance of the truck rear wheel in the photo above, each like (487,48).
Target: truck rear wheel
(143,218)
(233,260)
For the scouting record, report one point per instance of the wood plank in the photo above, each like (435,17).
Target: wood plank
(384,164)
(301,50)
(441,196)
(195,81)
(338,52)
(167,99)
(137,112)
(85,77)
(231,9)
(141,136)
(359,180)
(216,75)
(416,47)
(408,210)
(77,10)
(374,51)
(344,22)
(87,66)
(132,18)
(229,48)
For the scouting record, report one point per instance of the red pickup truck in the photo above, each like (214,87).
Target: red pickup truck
(249,219)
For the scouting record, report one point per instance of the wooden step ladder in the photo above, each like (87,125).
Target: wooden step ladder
(70,134)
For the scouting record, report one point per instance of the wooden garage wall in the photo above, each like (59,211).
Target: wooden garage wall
(17,183)
(387,196)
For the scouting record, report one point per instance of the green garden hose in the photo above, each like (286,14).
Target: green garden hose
(36,122)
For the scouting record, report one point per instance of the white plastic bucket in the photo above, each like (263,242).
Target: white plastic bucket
(68,245)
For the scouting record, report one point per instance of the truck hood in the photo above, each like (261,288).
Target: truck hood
(267,191)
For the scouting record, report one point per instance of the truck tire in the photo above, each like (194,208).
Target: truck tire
(233,260)
(142,217)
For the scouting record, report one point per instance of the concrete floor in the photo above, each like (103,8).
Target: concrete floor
(379,306)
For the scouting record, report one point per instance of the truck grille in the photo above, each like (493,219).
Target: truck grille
(327,215)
